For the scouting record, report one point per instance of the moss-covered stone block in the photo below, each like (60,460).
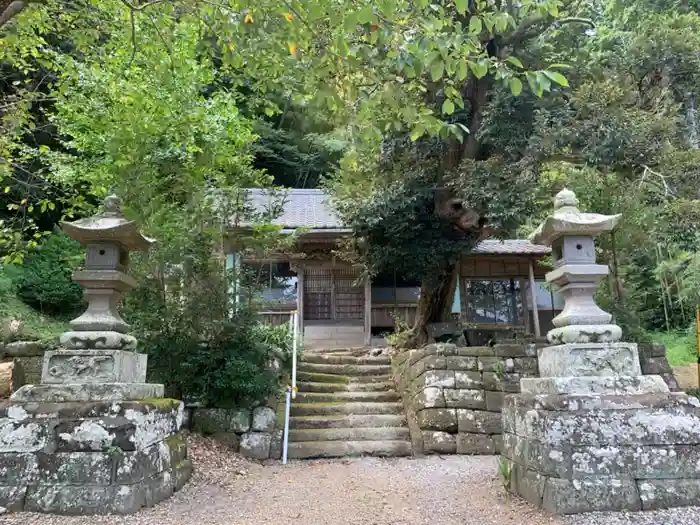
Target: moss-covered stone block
(444,419)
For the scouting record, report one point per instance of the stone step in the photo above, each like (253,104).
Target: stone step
(384,386)
(348,421)
(344,397)
(350,434)
(329,409)
(337,449)
(344,359)
(348,350)
(315,377)
(312,377)
(345,370)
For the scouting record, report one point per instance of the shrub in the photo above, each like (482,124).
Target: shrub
(44,281)
(280,340)
(196,348)
(231,367)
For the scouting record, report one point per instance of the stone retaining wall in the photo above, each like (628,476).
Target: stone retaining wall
(453,396)
(652,358)
(256,433)
(28,356)
(92,457)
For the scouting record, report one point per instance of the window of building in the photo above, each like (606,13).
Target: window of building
(493,301)
(391,288)
(275,281)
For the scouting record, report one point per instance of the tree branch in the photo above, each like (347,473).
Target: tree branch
(132,20)
(168,50)
(142,6)
(529,27)
(9,11)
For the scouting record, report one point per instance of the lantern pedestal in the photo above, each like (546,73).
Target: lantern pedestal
(94,437)
(592,433)
(603,452)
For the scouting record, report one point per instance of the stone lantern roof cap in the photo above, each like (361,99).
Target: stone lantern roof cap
(108,226)
(567,220)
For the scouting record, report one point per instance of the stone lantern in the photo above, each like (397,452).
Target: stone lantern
(96,360)
(593,433)
(571,234)
(94,437)
(109,238)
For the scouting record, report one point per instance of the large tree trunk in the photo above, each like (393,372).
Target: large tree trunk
(435,303)
(9,9)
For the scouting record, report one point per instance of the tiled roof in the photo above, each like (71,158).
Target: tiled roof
(310,209)
(511,247)
(302,209)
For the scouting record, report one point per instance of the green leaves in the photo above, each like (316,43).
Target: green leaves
(515,61)
(556,77)
(461,70)
(533,81)
(365,15)
(448,107)
(417,132)
(436,70)
(342,46)
(461,6)
(475,26)
(479,68)
(516,86)
(541,81)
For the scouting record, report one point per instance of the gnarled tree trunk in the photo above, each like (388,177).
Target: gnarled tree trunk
(434,305)
(435,302)
(9,9)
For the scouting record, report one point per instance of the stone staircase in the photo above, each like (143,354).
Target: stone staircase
(346,405)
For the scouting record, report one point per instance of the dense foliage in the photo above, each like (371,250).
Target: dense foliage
(433,124)
(199,346)
(44,280)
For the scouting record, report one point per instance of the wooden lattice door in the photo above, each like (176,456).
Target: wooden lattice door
(318,287)
(333,294)
(349,296)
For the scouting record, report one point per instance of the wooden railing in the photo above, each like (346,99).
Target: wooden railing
(384,314)
(275,317)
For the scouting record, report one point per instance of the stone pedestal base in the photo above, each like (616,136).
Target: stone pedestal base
(87,392)
(91,457)
(581,453)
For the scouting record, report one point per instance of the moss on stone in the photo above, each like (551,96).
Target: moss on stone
(162,403)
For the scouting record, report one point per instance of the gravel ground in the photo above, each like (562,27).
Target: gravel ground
(449,490)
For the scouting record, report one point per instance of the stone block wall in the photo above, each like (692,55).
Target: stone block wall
(602,453)
(453,396)
(652,358)
(91,458)
(256,433)
(28,356)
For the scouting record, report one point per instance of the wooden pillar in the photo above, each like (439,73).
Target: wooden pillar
(332,274)
(300,300)
(533,294)
(368,311)
(526,312)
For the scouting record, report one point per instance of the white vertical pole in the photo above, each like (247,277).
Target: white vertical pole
(533,294)
(295,333)
(285,442)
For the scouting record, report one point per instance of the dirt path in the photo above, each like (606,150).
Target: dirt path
(455,490)
(449,490)
(686,375)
